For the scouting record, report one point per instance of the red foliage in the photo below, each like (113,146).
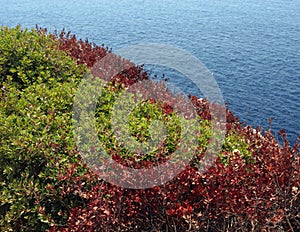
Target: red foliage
(259,195)
(83,52)
(87,53)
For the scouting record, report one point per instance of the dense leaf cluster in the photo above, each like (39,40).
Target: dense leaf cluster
(37,82)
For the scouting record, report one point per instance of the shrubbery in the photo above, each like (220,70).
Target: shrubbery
(37,85)
(254,184)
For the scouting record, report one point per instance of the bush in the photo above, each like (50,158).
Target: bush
(37,82)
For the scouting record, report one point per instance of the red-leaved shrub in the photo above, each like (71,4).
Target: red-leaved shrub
(243,196)
(256,194)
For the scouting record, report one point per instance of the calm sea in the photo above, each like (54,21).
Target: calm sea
(252,46)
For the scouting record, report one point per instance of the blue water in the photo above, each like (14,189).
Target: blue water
(251,46)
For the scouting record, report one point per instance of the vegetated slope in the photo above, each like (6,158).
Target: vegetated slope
(254,184)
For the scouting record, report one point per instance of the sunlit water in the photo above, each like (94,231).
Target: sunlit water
(252,47)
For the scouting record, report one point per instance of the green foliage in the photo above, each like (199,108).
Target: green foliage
(146,127)
(29,57)
(235,143)
(113,123)
(37,86)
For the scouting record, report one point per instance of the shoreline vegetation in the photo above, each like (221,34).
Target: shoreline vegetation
(254,184)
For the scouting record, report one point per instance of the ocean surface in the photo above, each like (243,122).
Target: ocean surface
(252,47)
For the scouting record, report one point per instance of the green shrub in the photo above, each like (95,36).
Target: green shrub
(144,115)
(37,83)
(30,57)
